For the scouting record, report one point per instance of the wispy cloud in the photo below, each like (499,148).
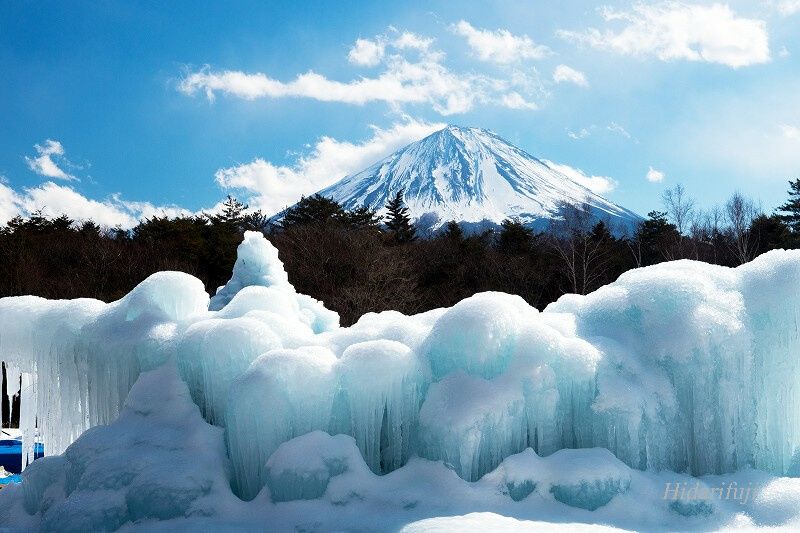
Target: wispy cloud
(46,163)
(676,30)
(580,134)
(410,41)
(616,128)
(563,73)
(596,184)
(499,46)
(420,78)
(613,127)
(514,100)
(272,187)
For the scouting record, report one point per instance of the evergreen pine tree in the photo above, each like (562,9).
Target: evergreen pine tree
(255,221)
(600,233)
(656,235)
(313,209)
(770,233)
(791,208)
(361,217)
(453,231)
(397,220)
(232,210)
(37,222)
(62,223)
(90,229)
(515,238)
(232,213)
(221,237)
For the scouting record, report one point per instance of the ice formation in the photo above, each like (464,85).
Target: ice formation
(681,367)
(159,460)
(257,265)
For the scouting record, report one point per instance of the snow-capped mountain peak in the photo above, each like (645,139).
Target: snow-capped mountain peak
(472,176)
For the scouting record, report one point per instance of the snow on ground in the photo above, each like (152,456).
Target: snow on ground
(666,400)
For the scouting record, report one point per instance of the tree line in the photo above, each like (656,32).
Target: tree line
(356,261)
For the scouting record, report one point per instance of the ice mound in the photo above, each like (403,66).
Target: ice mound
(301,468)
(477,335)
(482,522)
(159,460)
(683,367)
(776,503)
(260,284)
(167,297)
(257,264)
(585,478)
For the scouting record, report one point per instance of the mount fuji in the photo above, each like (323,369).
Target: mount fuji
(476,178)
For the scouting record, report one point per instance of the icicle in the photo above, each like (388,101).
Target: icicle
(383,380)
(27,418)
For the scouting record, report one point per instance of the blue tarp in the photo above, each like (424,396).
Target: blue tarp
(11,454)
(13,478)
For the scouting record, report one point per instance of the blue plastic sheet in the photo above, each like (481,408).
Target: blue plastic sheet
(11,455)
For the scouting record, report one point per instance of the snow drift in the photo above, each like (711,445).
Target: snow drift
(679,367)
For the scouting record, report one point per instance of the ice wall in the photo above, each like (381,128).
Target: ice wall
(682,366)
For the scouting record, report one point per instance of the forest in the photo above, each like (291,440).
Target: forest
(356,262)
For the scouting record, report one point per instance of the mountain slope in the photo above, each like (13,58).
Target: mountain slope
(472,176)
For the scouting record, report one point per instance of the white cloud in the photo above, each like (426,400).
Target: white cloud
(675,30)
(784,52)
(403,82)
(8,205)
(499,46)
(789,7)
(421,80)
(46,163)
(563,73)
(596,184)
(54,200)
(790,132)
(654,176)
(366,52)
(274,187)
(616,128)
(580,134)
(612,127)
(407,40)
(514,100)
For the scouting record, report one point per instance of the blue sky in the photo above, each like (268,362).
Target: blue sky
(120,110)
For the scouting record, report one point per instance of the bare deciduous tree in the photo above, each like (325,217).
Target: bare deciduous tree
(739,215)
(582,257)
(680,208)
